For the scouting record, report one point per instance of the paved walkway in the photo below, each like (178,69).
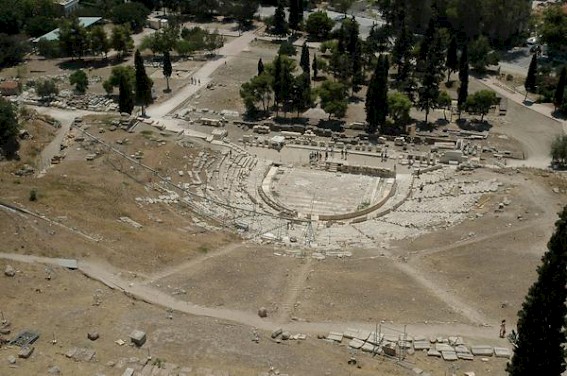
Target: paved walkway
(501,89)
(225,54)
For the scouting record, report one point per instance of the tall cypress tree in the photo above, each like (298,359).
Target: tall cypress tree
(143,83)
(464,78)
(125,97)
(530,83)
(260,66)
(376,105)
(294,15)
(276,82)
(279,26)
(541,321)
(560,89)
(452,61)
(304,60)
(167,68)
(382,94)
(315,66)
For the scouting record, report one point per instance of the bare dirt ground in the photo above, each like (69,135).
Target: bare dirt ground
(426,283)
(195,288)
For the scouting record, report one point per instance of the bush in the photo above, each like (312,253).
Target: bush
(33,195)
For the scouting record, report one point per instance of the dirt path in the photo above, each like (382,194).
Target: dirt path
(293,289)
(65,117)
(191,263)
(111,277)
(225,55)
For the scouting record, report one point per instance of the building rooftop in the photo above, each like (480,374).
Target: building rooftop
(54,34)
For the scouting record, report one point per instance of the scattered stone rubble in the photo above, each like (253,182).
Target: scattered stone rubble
(448,349)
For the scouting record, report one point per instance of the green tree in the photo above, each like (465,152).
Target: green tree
(481,54)
(399,106)
(342,5)
(243,11)
(560,89)
(258,89)
(540,348)
(402,53)
(319,25)
(444,101)
(463,91)
(167,68)
(481,102)
(143,83)
(280,26)
(12,50)
(80,80)
(121,40)
(282,82)
(183,47)
(530,82)
(559,150)
(333,98)
(287,48)
(125,95)
(9,128)
(98,41)
(553,29)
(294,11)
(315,66)
(432,76)
(376,105)
(304,60)
(46,89)
(452,61)
(260,66)
(49,49)
(301,93)
(118,74)
(131,14)
(73,39)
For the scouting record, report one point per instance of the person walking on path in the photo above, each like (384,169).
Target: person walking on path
(503,329)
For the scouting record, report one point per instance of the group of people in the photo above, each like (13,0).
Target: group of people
(195,81)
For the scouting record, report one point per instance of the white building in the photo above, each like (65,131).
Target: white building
(67,7)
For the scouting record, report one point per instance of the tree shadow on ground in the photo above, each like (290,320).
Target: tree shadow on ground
(291,120)
(557,114)
(332,124)
(473,125)
(95,63)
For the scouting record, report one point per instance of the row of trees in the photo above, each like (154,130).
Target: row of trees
(500,21)
(184,41)
(76,41)
(134,85)
(276,81)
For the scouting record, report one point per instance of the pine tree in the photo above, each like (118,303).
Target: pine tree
(452,62)
(560,89)
(402,52)
(260,66)
(304,60)
(530,83)
(315,66)
(300,6)
(376,105)
(433,74)
(280,25)
(276,82)
(541,321)
(143,83)
(464,78)
(167,68)
(294,15)
(125,97)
